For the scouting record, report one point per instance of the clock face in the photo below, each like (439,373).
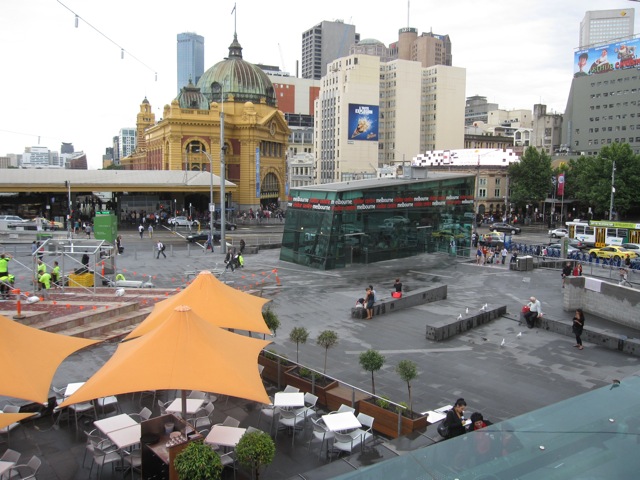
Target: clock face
(272,128)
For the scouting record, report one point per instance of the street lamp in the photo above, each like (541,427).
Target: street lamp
(69,210)
(613,190)
(212,207)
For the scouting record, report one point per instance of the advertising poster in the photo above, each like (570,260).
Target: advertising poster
(605,58)
(363,122)
(258,172)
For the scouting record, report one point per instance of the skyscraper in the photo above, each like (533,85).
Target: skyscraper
(324,43)
(601,26)
(190,58)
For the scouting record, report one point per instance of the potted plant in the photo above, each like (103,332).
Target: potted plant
(272,321)
(254,450)
(198,462)
(327,339)
(274,367)
(309,381)
(298,335)
(372,361)
(408,371)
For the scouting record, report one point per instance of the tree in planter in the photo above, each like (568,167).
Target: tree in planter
(372,361)
(299,335)
(408,372)
(198,462)
(327,339)
(254,450)
(272,321)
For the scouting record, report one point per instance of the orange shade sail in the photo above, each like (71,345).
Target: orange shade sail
(30,358)
(7,419)
(184,352)
(215,302)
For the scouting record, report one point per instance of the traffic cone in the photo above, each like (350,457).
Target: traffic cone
(275,270)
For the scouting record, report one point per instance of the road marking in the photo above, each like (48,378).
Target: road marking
(295,270)
(417,350)
(432,274)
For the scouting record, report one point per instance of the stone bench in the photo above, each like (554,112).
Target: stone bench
(597,336)
(439,329)
(409,299)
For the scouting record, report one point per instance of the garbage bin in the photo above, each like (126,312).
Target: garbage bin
(524,264)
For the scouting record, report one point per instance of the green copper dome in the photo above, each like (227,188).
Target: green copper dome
(233,76)
(191,97)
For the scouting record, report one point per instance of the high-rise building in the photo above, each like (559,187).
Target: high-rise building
(429,48)
(190,58)
(601,26)
(126,142)
(324,43)
(477,109)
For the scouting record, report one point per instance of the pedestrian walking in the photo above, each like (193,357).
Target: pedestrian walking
(150,231)
(160,247)
(576,328)
(242,245)
(566,272)
(504,253)
(141,230)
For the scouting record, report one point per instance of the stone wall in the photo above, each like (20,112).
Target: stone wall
(608,300)
(413,298)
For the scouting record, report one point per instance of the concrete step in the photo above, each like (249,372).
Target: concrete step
(103,311)
(111,328)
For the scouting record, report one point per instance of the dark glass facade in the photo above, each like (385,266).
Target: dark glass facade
(332,225)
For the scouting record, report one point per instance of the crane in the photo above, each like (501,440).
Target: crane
(284,67)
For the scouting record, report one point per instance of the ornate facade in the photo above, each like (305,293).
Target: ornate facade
(188,135)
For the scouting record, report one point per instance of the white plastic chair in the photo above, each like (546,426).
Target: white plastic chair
(346,442)
(320,432)
(145,414)
(290,389)
(12,426)
(229,460)
(106,404)
(344,408)
(102,456)
(269,411)
(26,471)
(290,419)
(203,417)
(230,422)
(366,432)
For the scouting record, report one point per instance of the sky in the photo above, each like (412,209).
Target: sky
(60,83)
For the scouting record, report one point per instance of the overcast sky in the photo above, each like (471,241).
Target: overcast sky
(61,83)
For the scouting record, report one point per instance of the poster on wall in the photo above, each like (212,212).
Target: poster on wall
(605,58)
(363,122)
(258,172)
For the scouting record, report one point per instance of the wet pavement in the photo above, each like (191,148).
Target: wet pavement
(529,371)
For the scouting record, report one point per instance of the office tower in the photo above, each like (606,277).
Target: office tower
(429,48)
(190,58)
(324,43)
(126,142)
(601,26)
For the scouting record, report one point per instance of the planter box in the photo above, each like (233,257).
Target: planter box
(342,395)
(270,371)
(386,421)
(292,378)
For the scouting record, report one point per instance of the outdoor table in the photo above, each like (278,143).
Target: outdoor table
(434,416)
(5,466)
(193,404)
(72,388)
(338,422)
(110,424)
(288,400)
(125,437)
(225,436)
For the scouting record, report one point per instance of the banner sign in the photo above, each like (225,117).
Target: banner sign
(380,203)
(561,185)
(363,122)
(257,172)
(606,58)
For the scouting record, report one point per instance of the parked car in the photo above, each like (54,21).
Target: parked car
(202,237)
(49,224)
(612,252)
(504,227)
(182,221)
(558,247)
(559,232)
(633,247)
(227,225)
(349,229)
(12,218)
(492,239)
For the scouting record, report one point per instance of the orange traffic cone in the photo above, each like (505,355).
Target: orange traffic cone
(275,270)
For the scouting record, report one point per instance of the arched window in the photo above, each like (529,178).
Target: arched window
(270,184)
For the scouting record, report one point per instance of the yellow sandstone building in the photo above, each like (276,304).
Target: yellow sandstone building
(188,135)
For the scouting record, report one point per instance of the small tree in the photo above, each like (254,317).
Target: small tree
(299,335)
(272,320)
(327,339)
(372,361)
(408,372)
(254,450)
(198,462)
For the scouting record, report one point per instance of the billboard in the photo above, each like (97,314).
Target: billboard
(606,58)
(363,122)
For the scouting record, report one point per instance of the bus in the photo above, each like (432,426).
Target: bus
(600,233)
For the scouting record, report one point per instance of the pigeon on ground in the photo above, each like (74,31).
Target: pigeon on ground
(467,311)
(120,292)
(502,344)
(615,383)
(519,334)
(460,317)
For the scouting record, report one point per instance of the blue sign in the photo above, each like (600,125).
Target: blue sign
(363,122)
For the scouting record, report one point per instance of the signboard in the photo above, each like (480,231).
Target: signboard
(606,58)
(257,172)
(380,203)
(363,122)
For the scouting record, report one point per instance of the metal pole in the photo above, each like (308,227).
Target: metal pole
(69,211)
(223,210)
(211,207)
(475,198)
(613,190)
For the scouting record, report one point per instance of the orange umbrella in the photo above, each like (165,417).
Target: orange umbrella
(30,358)
(184,352)
(214,301)
(7,419)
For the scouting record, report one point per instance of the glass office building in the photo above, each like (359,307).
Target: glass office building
(364,221)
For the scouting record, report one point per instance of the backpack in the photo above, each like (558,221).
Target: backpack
(162,247)
(443,429)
